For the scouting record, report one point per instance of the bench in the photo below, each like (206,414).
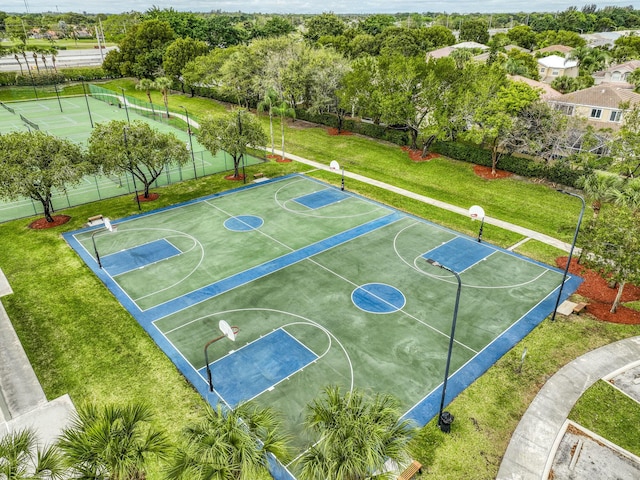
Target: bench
(258,175)
(95,220)
(579,307)
(411,471)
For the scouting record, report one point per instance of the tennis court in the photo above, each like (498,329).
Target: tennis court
(324,287)
(72,118)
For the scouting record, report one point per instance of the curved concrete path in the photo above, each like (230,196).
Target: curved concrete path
(533,443)
(437,203)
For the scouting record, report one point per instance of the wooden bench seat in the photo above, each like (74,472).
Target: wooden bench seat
(579,307)
(411,471)
(258,175)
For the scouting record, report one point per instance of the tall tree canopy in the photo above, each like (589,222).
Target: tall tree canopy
(117,147)
(36,164)
(234,132)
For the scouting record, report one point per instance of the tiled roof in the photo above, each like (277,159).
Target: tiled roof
(556,48)
(548,93)
(600,96)
(554,61)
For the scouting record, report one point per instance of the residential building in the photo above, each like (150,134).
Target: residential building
(554,66)
(617,74)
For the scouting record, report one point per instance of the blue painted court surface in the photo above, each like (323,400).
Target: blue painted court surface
(138,257)
(322,198)
(378,298)
(258,366)
(243,223)
(460,253)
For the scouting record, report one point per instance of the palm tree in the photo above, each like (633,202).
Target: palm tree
(112,442)
(22,459)
(599,187)
(146,85)
(164,84)
(230,445)
(356,436)
(283,110)
(270,98)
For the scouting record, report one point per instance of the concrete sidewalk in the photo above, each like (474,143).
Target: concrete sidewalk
(529,234)
(533,445)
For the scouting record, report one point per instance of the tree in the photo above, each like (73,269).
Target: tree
(375,24)
(117,147)
(140,52)
(355,435)
(233,132)
(146,85)
(267,104)
(439,36)
(625,148)
(325,24)
(35,164)
(112,442)
(221,32)
(21,458)
(230,445)
(613,248)
(276,27)
(330,68)
(283,110)
(494,121)
(474,30)
(164,85)
(523,36)
(178,54)
(599,187)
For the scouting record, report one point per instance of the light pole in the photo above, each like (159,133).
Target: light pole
(193,159)
(126,148)
(86,100)
(573,244)
(445,419)
(126,109)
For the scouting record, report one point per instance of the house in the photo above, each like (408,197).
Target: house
(599,104)
(446,51)
(617,74)
(553,66)
(563,49)
(547,93)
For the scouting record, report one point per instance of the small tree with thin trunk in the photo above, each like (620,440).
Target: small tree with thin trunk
(146,85)
(283,110)
(117,147)
(164,85)
(36,165)
(613,248)
(234,132)
(267,104)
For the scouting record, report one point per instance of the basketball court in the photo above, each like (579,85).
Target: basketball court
(272,291)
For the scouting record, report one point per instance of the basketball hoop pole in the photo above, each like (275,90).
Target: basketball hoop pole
(206,359)
(342,185)
(445,418)
(480,232)
(573,244)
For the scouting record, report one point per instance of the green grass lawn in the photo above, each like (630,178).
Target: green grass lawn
(594,411)
(82,342)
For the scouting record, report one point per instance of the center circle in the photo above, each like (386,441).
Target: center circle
(243,223)
(378,298)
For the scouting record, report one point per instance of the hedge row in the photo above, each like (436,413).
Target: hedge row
(50,77)
(555,172)
(399,137)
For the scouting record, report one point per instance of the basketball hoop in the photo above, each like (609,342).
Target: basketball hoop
(476,212)
(227,331)
(334,166)
(108,225)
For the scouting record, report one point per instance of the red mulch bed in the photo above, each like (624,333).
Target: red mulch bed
(235,178)
(278,158)
(42,223)
(416,155)
(150,198)
(485,172)
(334,131)
(600,296)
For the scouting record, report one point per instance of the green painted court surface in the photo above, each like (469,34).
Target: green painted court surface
(325,287)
